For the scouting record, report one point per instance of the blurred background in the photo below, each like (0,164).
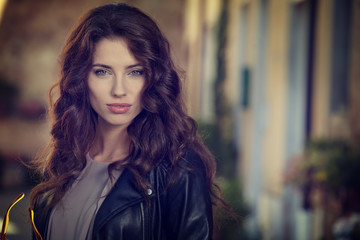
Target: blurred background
(273,84)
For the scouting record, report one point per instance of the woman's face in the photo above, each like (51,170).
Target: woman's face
(115,83)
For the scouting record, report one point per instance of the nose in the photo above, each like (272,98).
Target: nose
(118,88)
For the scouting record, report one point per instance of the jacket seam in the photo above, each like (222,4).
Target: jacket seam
(143,219)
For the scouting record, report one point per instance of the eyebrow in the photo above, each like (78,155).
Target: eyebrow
(106,66)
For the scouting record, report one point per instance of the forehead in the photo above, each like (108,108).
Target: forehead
(114,49)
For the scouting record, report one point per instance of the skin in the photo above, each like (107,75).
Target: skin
(116,78)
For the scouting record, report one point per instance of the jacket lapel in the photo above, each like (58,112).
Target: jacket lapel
(123,195)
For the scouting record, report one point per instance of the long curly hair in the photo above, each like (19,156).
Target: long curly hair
(161,130)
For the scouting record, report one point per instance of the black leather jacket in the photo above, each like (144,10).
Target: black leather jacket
(181,211)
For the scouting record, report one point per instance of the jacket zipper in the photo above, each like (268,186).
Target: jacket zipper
(143,219)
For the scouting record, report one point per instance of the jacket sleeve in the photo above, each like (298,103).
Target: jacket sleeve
(189,209)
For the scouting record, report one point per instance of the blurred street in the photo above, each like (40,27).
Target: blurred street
(273,85)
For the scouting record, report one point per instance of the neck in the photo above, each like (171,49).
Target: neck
(111,143)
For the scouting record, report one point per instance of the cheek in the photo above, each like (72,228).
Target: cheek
(92,100)
(96,89)
(94,95)
(139,99)
(139,90)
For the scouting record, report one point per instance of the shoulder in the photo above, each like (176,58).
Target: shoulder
(192,160)
(189,163)
(189,170)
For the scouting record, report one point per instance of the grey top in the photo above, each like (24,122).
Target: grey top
(73,217)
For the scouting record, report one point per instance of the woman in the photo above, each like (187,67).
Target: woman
(124,161)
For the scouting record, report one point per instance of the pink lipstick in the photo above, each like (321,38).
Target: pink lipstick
(119,108)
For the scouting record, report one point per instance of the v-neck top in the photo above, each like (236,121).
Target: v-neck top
(73,217)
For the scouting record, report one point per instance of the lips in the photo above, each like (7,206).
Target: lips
(119,108)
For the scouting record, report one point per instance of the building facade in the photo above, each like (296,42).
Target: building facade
(291,75)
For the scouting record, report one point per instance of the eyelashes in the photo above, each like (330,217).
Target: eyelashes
(137,72)
(105,72)
(101,72)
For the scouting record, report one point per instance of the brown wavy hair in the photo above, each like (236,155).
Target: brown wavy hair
(161,130)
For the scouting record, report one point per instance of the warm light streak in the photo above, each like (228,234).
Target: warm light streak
(192,20)
(2,7)
(213,8)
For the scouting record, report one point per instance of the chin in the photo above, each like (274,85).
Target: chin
(114,122)
(119,123)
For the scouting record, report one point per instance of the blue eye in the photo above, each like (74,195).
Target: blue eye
(101,72)
(137,72)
